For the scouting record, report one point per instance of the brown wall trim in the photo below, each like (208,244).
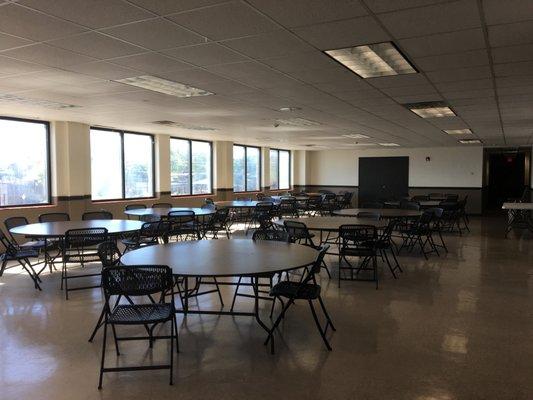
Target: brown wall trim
(71,198)
(163,193)
(224,190)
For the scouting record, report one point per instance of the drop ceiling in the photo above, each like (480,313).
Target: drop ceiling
(258,56)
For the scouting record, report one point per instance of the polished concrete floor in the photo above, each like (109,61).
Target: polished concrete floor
(459,326)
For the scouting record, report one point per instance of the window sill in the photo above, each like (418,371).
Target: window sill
(26,206)
(115,201)
(191,196)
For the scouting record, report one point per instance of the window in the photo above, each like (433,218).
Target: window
(246,168)
(280,169)
(25,162)
(190,167)
(122,165)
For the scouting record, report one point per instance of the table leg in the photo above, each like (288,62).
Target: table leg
(186,299)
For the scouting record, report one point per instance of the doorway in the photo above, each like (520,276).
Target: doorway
(383,178)
(507,176)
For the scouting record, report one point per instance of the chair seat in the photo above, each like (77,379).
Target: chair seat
(134,314)
(21,254)
(296,290)
(34,244)
(140,242)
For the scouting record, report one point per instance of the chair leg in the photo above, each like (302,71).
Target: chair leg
(175,322)
(278,320)
(115,338)
(317,322)
(98,325)
(442,242)
(171,351)
(103,354)
(396,261)
(2,269)
(386,257)
(326,313)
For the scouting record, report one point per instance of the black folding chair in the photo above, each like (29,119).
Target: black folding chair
(54,217)
(305,289)
(135,282)
(261,216)
(13,252)
(80,247)
(217,223)
(183,225)
(161,205)
(358,241)
(134,207)
(94,215)
(261,234)
(151,233)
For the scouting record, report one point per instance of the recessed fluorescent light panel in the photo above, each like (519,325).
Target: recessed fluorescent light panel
(289,109)
(53,105)
(389,144)
(470,141)
(356,136)
(434,109)
(298,122)
(373,60)
(184,126)
(165,86)
(458,131)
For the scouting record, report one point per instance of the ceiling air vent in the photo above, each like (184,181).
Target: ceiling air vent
(184,126)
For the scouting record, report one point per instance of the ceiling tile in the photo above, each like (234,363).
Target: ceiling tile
(10,41)
(514,69)
(438,18)
(206,54)
(512,53)
(34,25)
(96,45)
(457,60)
(225,21)
(300,62)
(503,12)
(47,55)
(9,66)
(397,80)
(511,34)
(443,43)
(379,6)
(104,70)
(472,84)
(352,32)
(91,13)
(293,13)
(151,63)
(271,44)
(459,74)
(164,7)
(155,34)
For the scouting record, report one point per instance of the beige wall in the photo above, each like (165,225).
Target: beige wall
(448,167)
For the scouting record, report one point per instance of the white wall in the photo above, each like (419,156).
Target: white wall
(449,166)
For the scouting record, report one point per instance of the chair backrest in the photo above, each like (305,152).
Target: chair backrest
(452,197)
(9,246)
(425,218)
(369,215)
(207,200)
(154,229)
(260,196)
(181,216)
(314,200)
(161,205)
(347,197)
(135,207)
(386,234)
(271,234)
(437,211)
(317,265)
(263,207)
(296,230)
(54,217)
(420,197)
(138,280)
(409,205)
(13,222)
(92,215)
(109,254)
(373,204)
(221,216)
(287,203)
(208,206)
(354,234)
(436,195)
(82,238)
(324,191)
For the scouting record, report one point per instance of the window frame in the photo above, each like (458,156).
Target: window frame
(190,168)
(278,169)
(48,163)
(245,146)
(123,164)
